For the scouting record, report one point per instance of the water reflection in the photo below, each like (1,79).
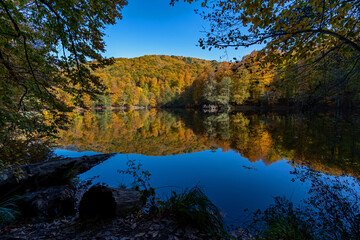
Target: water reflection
(241,161)
(152,133)
(230,181)
(325,143)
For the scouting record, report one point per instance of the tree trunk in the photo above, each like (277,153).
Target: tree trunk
(104,202)
(45,174)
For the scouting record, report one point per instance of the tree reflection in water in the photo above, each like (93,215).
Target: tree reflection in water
(331,211)
(325,143)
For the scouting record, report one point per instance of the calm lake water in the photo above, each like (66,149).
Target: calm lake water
(241,161)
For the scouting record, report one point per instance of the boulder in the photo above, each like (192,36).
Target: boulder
(51,202)
(106,202)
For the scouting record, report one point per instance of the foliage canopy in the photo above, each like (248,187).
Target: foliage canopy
(312,46)
(292,28)
(44,47)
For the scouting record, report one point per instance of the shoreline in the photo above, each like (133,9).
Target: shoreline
(294,108)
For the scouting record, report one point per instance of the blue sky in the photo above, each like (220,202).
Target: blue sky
(155,27)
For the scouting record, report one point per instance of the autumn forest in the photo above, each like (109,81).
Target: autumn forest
(171,119)
(173,81)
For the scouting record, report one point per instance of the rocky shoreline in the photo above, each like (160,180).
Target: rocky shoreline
(76,212)
(129,228)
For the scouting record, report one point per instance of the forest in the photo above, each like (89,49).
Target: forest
(52,61)
(174,81)
(55,65)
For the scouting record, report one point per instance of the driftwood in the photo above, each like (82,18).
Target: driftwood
(104,202)
(44,174)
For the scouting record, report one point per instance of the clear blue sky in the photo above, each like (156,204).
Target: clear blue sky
(155,27)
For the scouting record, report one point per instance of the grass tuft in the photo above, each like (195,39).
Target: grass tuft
(193,208)
(7,211)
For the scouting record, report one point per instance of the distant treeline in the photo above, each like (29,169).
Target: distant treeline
(173,81)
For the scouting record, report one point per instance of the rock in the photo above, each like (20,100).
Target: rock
(155,234)
(104,202)
(140,235)
(50,202)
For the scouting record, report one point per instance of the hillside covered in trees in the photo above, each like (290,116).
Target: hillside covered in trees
(154,80)
(173,81)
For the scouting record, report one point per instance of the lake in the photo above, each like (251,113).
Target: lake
(240,160)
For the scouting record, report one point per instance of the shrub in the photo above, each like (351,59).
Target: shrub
(281,221)
(193,208)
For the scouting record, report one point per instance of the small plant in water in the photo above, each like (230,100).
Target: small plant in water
(141,182)
(141,177)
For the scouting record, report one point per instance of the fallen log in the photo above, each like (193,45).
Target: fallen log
(44,174)
(104,202)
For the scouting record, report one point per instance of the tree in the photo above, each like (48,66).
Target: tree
(240,86)
(45,48)
(210,88)
(224,88)
(289,28)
